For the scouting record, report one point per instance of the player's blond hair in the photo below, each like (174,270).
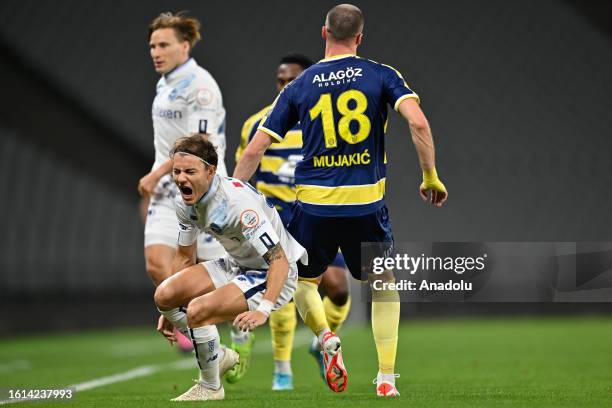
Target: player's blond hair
(186,28)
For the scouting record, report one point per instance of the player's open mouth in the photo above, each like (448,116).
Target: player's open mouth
(186,191)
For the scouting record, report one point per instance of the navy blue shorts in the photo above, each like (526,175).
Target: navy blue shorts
(322,236)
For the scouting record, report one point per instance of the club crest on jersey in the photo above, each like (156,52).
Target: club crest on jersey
(204,97)
(249,219)
(344,76)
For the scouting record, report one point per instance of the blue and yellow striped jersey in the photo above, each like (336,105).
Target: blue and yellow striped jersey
(341,105)
(275,175)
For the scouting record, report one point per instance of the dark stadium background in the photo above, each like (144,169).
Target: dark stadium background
(517,93)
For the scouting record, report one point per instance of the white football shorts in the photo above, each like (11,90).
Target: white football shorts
(251,282)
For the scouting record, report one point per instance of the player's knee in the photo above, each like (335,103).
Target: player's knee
(336,286)
(164,296)
(339,295)
(199,313)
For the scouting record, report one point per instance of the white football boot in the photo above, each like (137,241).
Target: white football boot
(229,360)
(385,385)
(336,376)
(200,393)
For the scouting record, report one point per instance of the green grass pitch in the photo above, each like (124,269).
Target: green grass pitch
(552,362)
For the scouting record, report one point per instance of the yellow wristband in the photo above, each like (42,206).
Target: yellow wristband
(431,181)
(430,176)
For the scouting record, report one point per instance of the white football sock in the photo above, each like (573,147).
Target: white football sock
(206,342)
(178,318)
(282,367)
(390,378)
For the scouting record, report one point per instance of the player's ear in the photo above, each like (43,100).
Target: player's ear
(359,38)
(324,33)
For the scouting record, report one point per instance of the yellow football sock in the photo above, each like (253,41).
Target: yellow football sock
(385,322)
(309,304)
(336,315)
(282,328)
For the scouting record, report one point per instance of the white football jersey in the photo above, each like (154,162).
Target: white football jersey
(188,101)
(241,219)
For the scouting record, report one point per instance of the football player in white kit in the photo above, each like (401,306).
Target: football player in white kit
(188,101)
(256,276)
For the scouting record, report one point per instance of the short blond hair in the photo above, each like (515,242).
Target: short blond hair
(186,28)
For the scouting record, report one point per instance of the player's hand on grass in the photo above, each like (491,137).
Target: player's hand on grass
(166,329)
(147,184)
(248,321)
(432,190)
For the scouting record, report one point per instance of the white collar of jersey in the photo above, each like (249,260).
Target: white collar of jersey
(212,189)
(176,72)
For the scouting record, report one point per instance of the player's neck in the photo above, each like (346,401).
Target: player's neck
(332,49)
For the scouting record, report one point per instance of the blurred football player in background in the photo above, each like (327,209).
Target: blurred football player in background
(275,179)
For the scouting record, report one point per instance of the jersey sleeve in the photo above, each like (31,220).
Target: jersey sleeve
(187,230)
(395,88)
(203,103)
(258,230)
(282,116)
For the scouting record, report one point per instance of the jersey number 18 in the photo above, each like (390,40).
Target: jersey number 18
(324,108)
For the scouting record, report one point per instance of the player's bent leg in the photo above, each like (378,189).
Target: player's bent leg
(180,288)
(337,302)
(310,306)
(177,291)
(282,328)
(203,313)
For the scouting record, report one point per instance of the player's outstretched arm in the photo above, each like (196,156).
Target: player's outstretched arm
(277,275)
(423,142)
(252,155)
